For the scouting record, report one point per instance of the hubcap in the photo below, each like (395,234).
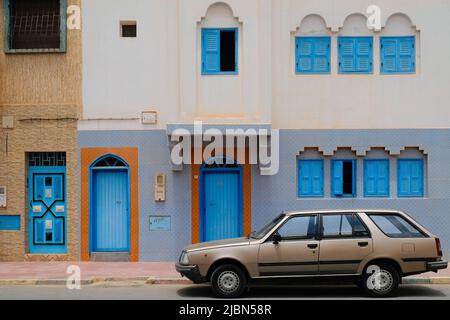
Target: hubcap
(228,281)
(382,281)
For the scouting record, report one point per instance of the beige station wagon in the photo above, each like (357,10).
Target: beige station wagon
(372,248)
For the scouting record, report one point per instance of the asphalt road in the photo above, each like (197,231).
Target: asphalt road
(192,292)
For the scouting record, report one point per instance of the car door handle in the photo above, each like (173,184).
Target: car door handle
(313,246)
(363,244)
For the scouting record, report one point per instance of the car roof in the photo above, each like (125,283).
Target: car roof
(293,213)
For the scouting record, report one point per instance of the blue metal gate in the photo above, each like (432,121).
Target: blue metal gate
(221,203)
(47,211)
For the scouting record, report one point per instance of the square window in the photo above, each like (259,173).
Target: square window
(410,178)
(35,26)
(312,55)
(343,178)
(128,29)
(376,178)
(219,51)
(355,55)
(310,178)
(398,54)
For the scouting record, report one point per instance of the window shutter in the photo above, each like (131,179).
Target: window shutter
(410,178)
(364,55)
(382,175)
(416,179)
(376,178)
(317,178)
(370,178)
(310,178)
(210,51)
(347,51)
(322,55)
(312,54)
(388,55)
(406,55)
(404,177)
(304,55)
(305,179)
(338,179)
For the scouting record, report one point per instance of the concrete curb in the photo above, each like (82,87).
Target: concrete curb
(440,280)
(97,281)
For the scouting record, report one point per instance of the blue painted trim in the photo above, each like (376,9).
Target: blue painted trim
(63,31)
(203,172)
(355,40)
(9,223)
(92,170)
(388,186)
(383,69)
(421,194)
(236,35)
(354,194)
(310,195)
(48,248)
(312,56)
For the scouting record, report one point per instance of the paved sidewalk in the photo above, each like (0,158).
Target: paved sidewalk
(143,272)
(91,272)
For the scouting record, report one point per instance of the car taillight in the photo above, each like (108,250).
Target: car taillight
(438,247)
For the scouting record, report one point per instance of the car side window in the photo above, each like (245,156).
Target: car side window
(303,227)
(395,226)
(343,226)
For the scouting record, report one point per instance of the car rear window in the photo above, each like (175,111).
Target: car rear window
(395,226)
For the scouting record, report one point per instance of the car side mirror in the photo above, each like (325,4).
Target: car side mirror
(276,238)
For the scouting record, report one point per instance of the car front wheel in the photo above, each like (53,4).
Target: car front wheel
(229,281)
(380,280)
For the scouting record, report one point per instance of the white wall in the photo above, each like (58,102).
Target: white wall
(161,69)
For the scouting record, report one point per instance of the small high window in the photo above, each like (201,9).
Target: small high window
(410,178)
(35,26)
(312,55)
(398,54)
(376,178)
(310,178)
(128,29)
(355,54)
(219,51)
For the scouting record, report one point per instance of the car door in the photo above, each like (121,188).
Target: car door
(297,251)
(345,242)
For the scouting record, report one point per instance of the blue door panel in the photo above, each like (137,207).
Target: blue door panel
(47,210)
(222,207)
(110,207)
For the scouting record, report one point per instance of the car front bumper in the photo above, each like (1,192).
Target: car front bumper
(436,266)
(191,272)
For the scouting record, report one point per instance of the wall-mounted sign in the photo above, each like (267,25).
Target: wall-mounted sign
(160,223)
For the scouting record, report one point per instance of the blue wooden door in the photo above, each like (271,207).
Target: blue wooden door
(47,211)
(222,206)
(111,211)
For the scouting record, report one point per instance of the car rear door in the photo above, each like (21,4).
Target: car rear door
(345,243)
(297,253)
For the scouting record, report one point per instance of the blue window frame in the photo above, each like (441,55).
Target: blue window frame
(28,31)
(219,51)
(376,178)
(312,55)
(410,178)
(343,178)
(398,54)
(355,54)
(310,178)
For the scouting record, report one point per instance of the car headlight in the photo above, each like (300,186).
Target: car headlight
(184,259)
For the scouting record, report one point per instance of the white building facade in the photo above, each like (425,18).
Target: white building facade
(362,115)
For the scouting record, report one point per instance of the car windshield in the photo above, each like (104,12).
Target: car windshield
(264,231)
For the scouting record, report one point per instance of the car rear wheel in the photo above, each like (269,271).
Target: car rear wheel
(228,281)
(380,280)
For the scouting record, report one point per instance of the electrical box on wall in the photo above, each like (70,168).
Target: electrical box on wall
(160,187)
(149,117)
(3,197)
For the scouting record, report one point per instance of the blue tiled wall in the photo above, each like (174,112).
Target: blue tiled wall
(274,194)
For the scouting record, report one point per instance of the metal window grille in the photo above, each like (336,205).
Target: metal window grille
(47,159)
(34,24)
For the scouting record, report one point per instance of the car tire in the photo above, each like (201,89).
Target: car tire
(380,280)
(229,281)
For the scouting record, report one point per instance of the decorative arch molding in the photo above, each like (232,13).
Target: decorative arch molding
(211,4)
(295,26)
(312,18)
(385,20)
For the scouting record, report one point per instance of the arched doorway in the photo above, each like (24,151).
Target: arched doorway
(221,200)
(110,205)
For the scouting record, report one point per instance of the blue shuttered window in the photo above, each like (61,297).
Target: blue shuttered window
(219,51)
(343,178)
(310,178)
(410,178)
(313,55)
(355,54)
(376,178)
(398,54)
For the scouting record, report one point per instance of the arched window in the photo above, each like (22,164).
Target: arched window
(110,162)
